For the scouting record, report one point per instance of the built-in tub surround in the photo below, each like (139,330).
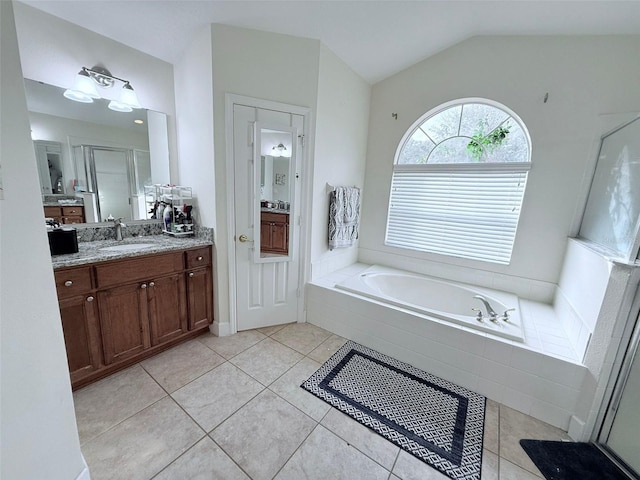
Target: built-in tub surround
(541,377)
(481,309)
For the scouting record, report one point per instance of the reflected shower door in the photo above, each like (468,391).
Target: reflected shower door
(112,182)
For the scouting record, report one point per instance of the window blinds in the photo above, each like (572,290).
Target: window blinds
(468,211)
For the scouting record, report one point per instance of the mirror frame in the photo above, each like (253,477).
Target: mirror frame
(257,170)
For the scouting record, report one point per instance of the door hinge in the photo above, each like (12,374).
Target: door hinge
(298,292)
(301,137)
(299,220)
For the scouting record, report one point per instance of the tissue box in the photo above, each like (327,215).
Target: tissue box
(63,240)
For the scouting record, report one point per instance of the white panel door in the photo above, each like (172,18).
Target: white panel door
(267,292)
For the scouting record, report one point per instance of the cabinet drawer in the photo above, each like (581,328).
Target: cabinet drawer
(72,211)
(200,257)
(274,217)
(143,268)
(52,212)
(73,281)
(71,220)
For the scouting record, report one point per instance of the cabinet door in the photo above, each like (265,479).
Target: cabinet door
(81,335)
(124,319)
(279,237)
(200,295)
(265,235)
(167,308)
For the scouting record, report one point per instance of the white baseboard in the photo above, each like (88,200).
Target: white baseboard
(84,475)
(220,329)
(576,429)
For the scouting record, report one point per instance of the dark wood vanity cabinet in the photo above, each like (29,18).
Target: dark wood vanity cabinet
(79,315)
(65,215)
(132,308)
(274,233)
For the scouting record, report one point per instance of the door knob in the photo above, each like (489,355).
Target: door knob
(243,238)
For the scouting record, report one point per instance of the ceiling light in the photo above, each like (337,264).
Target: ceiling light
(138,121)
(84,89)
(279,151)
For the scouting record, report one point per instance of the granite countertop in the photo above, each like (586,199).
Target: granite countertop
(90,252)
(79,203)
(274,210)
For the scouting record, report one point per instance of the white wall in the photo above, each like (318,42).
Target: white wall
(53,51)
(263,65)
(341,150)
(38,438)
(58,129)
(584,76)
(193,78)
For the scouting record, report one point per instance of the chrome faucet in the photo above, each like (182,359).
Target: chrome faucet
(490,311)
(117,223)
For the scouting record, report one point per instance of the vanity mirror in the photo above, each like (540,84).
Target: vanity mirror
(274,166)
(100,157)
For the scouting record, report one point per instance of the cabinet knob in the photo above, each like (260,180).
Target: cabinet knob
(200,258)
(68,283)
(89,299)
(152,284)
(144,285)
(191,275)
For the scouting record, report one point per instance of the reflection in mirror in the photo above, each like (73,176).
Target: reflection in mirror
(274,190)
(100,159)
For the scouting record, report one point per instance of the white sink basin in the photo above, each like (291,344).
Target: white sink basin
(128,247)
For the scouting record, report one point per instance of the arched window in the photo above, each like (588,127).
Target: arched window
(459,177)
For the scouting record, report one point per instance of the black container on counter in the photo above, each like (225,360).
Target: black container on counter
(63,240)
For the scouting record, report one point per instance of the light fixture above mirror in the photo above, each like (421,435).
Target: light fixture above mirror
(280,151)
(84,89)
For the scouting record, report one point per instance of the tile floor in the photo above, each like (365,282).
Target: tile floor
(231,408)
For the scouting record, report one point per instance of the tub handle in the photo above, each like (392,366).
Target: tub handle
(505,315)
(478,314)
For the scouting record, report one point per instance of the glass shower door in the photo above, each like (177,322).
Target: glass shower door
(112,182)
(621,429)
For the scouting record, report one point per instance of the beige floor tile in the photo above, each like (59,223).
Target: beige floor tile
(325,456)
(106,403)
(408,467)
(262,435)
(302,337)
(217,394)
(491,426)
(323,352)
(509,471)
(367,441)
(232,345)
(266,360)
(204,461)
(143,444)
(515,426)
(288,387)
(268,331)
(181,364)
(490,465)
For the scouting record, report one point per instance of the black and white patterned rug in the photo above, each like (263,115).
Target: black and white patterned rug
(435,420)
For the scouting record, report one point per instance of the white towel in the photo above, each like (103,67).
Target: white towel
(344,217)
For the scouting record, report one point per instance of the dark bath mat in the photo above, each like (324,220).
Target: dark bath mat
(571,461)
(435,420)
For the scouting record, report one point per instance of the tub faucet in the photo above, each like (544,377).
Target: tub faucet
(490,311)
(117,223)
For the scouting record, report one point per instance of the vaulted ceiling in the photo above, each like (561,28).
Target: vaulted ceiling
(376,38)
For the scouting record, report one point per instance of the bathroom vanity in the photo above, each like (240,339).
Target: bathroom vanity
(274,231)
(120,306)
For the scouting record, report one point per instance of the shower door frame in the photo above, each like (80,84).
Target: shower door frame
(628,350)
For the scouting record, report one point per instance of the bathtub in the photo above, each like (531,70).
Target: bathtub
(440,299)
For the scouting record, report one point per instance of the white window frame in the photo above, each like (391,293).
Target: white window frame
(483,231)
